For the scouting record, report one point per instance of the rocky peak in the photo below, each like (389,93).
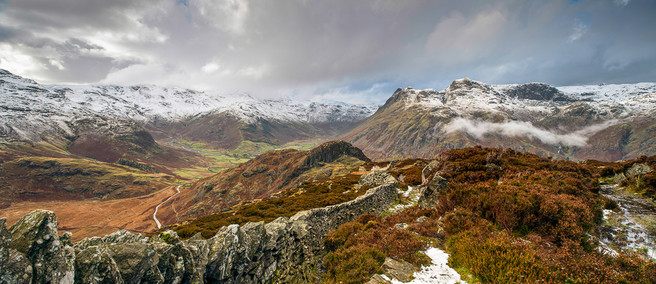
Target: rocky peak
(538,92)
(466,84)
(399,95)
(331,151)
(6,76)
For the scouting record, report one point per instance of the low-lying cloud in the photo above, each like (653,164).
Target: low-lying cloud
(480,129)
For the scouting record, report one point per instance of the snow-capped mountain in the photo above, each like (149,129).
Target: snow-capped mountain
(465,96)
(597,121)
(30,111)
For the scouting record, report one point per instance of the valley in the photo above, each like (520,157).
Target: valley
(326,191)
(87,218)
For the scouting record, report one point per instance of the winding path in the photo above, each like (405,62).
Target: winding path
(159,226)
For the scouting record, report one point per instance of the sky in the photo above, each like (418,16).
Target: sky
(357,51)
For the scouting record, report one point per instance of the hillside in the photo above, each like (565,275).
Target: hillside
(502,216)
(262,177)
(605,122)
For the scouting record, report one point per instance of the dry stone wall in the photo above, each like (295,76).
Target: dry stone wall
(286,250)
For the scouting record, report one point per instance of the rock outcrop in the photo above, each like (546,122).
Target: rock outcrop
(35,237)
(428,194)
(286,250)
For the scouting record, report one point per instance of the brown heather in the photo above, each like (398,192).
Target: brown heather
(508,217)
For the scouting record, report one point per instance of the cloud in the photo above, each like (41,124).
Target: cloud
(479,129)
(210,67)
(621,2)
(579,30)
(464,35)
(334,49)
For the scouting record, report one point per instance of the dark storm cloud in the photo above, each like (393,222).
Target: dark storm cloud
(343,50)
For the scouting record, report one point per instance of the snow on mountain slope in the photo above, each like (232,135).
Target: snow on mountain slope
(30,110)
(607,122)
(465,96)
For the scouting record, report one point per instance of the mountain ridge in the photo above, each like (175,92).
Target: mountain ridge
(536,117)
(145,104)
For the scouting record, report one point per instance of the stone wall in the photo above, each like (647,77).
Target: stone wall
(286,250)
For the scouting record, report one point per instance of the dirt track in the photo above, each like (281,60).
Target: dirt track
(96,217)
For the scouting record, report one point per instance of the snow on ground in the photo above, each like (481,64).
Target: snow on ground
(438,272)
(412,197)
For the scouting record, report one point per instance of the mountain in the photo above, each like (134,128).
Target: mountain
(604,122)
(35,112)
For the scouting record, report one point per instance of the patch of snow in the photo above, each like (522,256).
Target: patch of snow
(438,272)
(413,197)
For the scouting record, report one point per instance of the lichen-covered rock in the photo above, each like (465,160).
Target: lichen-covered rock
(87,242)
(398,269)
(68,251)
(233,251)
(637,170)
(35,235)
(5,241)
(428,195)
(136,261)
(176,263)
(200,250)
(124,236)
(169,237)
(14,266)
(17,269)
(428,169)
(378,279)
(376,178)
(95,265)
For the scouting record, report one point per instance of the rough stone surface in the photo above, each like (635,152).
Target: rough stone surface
(637,170)
(17,269)
(633,174)
(376,178)
(398,269)
(137,262)
(95,265)
(428,195)
(5,241)
(176,263)
(428,169)
(401,226)
(35,235)
(378,279)
(14,266)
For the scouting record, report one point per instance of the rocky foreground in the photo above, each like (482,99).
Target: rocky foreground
(31,251)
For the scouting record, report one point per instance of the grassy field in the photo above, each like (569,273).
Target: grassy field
(225,159)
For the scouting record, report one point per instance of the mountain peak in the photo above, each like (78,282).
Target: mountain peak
(330,151)
(467,84)
(537,91)
(5,75)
